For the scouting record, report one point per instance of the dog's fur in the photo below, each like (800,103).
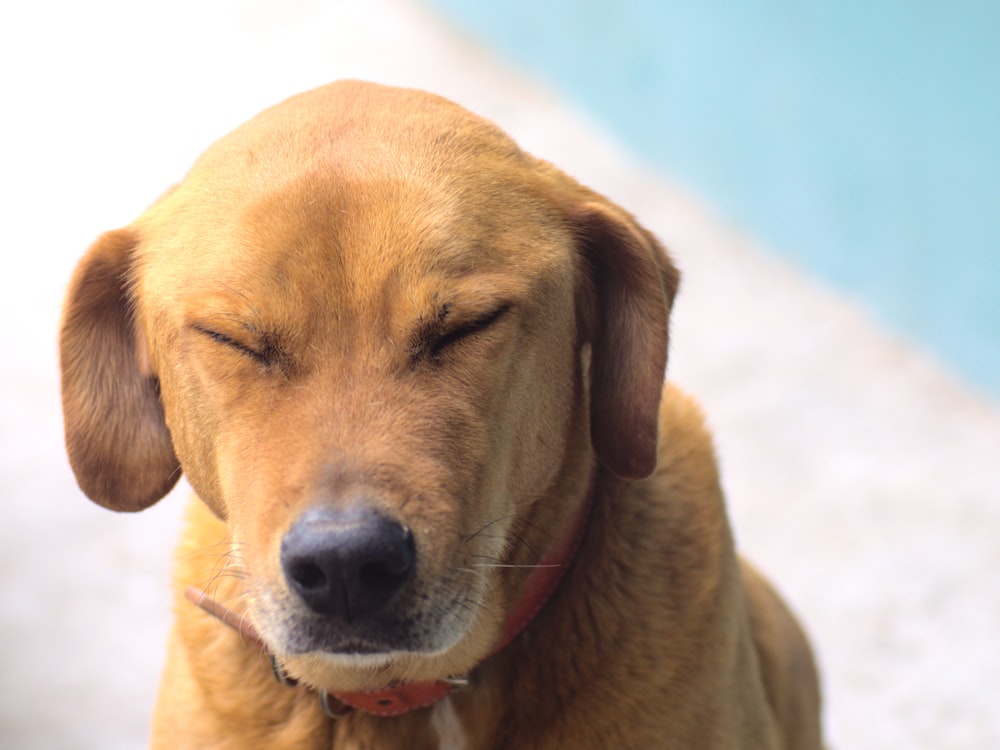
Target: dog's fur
(370,295)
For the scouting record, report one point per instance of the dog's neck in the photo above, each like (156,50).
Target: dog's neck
(401,698)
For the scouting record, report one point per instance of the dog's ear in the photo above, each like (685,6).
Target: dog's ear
(634,284)
(116,436)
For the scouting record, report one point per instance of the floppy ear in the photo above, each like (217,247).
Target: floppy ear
(635,284)
(116,436)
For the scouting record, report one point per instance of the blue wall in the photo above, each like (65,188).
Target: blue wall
(860,139)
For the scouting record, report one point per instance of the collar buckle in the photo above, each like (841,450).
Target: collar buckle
(332,707)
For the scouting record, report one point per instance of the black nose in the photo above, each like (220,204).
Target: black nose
(347,563)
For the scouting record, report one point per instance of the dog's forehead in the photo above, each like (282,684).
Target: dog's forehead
(360,184)
(355,127)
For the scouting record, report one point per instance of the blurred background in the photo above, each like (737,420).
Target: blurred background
(859,140)
(825,176)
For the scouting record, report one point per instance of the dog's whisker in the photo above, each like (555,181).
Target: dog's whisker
(486,526)
(211,550)
(510,538)
(520,540)
(489,561)
(211,593)
(479,574)
(227,564)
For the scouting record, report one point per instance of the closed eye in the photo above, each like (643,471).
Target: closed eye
(266,352)
(437,344)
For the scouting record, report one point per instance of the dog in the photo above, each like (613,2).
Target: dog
(415,377)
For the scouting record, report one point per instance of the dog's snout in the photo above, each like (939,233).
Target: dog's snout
(347,563)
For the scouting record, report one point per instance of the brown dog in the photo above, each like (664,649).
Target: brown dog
(415,376)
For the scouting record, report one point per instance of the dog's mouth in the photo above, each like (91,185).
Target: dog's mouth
(416,625)
(356,590)
(402,645)
(377,639)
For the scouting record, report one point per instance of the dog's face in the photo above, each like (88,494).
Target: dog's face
(370,343)
(375,335)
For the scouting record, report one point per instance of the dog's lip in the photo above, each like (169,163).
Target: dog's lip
(367,660)
(363,648)
(355,649)
(345,644)
(369,646)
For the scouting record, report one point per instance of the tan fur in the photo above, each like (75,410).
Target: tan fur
(296,324)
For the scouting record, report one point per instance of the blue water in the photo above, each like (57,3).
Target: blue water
(860,139)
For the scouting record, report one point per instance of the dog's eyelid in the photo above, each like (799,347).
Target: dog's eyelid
(218,336)
(264,352)
(464,329)
(471,319)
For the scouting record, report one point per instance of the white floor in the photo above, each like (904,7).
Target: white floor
(862,478)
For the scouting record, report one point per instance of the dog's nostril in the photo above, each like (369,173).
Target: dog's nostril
(347,563)
(307,576)
(377,574)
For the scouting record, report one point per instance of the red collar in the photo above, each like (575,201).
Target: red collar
(404,697)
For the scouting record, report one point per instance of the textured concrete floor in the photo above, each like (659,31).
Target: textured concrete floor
(861,477)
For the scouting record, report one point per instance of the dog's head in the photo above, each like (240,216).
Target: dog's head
(385,346)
